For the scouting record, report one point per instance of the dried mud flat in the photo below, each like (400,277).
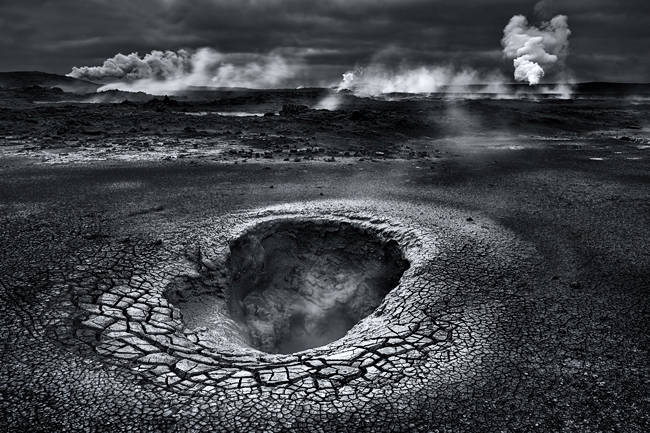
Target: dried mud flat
(433,273)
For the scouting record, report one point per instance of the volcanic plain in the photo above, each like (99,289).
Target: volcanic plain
(303,260)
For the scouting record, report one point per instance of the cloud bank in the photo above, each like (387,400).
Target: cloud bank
(160,72)
(536,50)
(607,44)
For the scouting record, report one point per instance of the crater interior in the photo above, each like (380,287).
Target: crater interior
(295,285)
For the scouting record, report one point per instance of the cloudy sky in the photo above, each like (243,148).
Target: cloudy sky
(609,41)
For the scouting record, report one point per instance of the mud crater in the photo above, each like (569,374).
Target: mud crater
(293,285)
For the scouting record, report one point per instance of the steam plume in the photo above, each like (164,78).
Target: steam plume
(376,80)
(329,102)
(168,71)
(535,50)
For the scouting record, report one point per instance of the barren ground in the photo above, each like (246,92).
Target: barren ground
(525,307)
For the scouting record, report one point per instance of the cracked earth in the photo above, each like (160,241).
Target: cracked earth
(201,299)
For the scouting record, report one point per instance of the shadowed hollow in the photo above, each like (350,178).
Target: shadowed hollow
(296,285)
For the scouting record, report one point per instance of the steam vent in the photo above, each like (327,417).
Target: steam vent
(324,216)
(268,319)
(331,315)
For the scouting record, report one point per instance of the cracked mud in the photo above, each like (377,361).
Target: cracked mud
(281,296)
(238,321)
(479,288)
(220,326)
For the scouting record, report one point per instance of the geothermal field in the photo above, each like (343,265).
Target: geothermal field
(245,260)
(196,240)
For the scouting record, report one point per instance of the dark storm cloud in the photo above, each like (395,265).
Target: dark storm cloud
(609,40)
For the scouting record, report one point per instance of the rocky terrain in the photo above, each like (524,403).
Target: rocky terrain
(447,264)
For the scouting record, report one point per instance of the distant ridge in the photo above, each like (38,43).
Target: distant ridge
(23,79)
(595,88)
(587,88)
(598,87)
(20,79)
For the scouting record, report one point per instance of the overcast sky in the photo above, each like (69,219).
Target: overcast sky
(609,41)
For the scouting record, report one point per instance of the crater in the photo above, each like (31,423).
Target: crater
(300,284)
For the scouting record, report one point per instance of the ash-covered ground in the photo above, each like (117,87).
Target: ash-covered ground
(484,262)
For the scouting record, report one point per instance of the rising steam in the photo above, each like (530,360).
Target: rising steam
(535,50)
(162,72)
(376,80)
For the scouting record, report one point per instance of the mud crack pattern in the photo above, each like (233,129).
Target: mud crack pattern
(109,317)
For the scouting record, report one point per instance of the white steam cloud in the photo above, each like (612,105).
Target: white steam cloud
(535,50)
(160,72)
(329,102)
(376,80)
